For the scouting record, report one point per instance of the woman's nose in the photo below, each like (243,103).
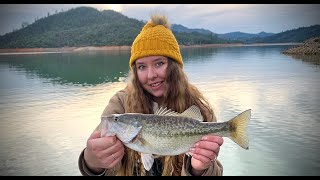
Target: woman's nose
(152,73)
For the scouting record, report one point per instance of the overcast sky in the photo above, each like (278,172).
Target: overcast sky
(218,18)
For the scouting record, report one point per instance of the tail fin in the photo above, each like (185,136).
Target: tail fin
(238,127)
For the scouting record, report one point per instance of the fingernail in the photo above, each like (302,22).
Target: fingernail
(205,138)
(196,145)
(191,149)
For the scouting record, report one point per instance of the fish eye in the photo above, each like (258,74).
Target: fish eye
(116,118)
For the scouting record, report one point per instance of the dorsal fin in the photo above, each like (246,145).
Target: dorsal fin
(193,112)
(165,112)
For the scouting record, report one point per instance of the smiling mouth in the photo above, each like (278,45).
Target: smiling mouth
(156,84)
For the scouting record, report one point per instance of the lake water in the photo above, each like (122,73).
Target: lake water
(50,103)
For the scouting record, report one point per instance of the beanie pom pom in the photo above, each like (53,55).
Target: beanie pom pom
(158,19)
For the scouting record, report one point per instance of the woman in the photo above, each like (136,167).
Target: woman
(156,79)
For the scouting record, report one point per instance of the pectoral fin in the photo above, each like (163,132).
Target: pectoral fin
(147,161)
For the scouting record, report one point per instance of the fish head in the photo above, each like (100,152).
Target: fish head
(124,126)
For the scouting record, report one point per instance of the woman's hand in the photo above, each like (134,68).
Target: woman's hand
(204,153)
(102,152)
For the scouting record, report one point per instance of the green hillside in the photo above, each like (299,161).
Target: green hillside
(295,35)
(86,26)
(83,26)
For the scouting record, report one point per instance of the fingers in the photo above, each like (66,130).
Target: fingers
(117,150)
(97,143)
(118,154)
(111,156)
(103,152)
(207,149)
(212,138)
(203,155)
(114,161)
(204,159)
(204,146)
(95,134)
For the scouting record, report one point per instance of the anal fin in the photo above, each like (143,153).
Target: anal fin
(147,161)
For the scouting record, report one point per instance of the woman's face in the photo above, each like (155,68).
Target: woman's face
(151,72)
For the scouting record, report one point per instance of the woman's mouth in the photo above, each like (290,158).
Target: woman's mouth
(156,85)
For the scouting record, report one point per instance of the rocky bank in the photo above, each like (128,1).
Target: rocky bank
(309,47)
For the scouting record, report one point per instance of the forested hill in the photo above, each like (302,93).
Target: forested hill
(83,26)
(86,26)
(295,35)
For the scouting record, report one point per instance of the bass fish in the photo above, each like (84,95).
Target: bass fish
(168,133)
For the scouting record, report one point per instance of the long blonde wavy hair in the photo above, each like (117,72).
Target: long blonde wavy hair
(182,95)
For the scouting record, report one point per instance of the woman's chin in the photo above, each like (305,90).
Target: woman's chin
(158,95)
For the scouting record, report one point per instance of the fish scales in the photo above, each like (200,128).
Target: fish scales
(173,126)
(168,133)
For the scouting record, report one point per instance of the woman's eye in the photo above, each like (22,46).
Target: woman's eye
(141,67)
(159,64)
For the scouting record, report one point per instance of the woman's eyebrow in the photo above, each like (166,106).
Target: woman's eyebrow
(139,62)
(153,60)
(159,59)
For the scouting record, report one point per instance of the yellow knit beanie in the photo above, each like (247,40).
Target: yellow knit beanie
(156,39)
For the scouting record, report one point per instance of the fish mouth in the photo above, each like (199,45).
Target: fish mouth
(107,125)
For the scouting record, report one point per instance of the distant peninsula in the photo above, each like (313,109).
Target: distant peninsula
(309,47)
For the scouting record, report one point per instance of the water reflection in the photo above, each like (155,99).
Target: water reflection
(72,68)
(282,94)
(49,105)
(202,54)
(311,59)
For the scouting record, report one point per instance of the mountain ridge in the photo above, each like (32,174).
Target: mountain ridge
(111,28)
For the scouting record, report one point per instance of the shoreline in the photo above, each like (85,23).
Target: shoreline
(17,51)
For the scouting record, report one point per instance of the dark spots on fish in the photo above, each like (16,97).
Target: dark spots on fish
(233,128)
